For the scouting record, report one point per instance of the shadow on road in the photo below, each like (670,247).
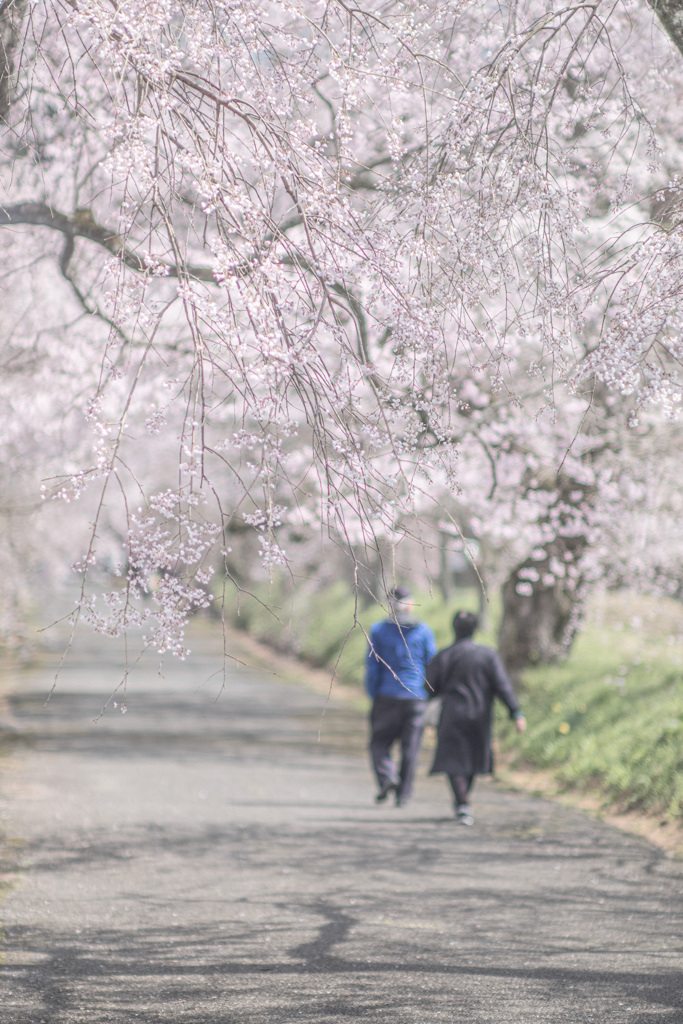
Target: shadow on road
(212,862)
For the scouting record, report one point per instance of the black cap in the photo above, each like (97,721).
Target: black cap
(399,594)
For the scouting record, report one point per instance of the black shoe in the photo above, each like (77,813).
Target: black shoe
(387,788)
(401,801)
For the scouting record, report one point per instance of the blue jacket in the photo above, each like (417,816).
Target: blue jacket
(397,659)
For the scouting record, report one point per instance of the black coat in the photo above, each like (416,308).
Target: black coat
(467,677)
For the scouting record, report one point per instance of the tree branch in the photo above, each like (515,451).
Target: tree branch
(83,225)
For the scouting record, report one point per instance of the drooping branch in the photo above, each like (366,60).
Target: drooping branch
(82,224)
(670,13)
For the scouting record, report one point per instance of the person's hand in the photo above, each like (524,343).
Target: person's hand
(520,724)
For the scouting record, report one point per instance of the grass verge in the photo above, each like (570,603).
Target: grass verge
(608,722)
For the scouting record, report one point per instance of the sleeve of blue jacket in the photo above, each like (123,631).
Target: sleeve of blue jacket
(430,645)
(372,668)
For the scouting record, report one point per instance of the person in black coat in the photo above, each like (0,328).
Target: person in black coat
(467,677)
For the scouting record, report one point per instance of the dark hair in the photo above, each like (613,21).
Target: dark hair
(399,593)
(464,624)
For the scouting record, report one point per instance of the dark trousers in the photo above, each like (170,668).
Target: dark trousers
(393,719)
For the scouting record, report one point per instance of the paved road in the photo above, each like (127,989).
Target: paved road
(211,862)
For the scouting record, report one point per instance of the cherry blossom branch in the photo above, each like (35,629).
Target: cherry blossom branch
(82,224)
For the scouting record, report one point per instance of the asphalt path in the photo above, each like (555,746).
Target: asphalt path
(206,858)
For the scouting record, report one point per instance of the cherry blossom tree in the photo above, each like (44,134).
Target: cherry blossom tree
(361,266)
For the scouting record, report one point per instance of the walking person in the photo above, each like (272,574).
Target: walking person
(468,677)
(399,651)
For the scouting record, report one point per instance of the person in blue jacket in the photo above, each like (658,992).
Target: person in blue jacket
(395,678)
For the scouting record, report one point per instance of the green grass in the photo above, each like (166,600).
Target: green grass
(609,719)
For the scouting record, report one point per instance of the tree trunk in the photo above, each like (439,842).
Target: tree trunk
(543,597)
(11,19)
(445,576)
(670,13)
(540,622)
